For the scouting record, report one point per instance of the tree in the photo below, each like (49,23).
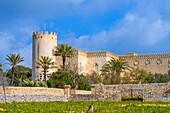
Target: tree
(61,78)
(20,74)
(157,78)
(94,78)
(138,75)
(23,72)
(45,63)
(82,83)
(64,50)
(113,68)
(14,60)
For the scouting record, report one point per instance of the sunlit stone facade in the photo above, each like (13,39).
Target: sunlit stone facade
(83,62)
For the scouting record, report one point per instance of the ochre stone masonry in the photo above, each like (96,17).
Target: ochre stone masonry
(83,62)
(43,44)
(32,90)
(155,63)
(100,92)
(31,98)
(148,92)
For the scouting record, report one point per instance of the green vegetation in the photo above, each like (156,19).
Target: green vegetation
(21,74)
(78,107)
(66,75)
(140,76)
(157,78)
(61,78)
(64,50)
(14,60)
(45,63)
(112,69)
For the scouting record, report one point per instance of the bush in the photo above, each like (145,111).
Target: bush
(60,84)
(30,83)
(83,83)
(157,78)
(62,78)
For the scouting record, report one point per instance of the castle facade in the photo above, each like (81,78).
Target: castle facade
(44,44)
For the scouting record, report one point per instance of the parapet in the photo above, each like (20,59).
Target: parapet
(131,54)
(101,54)
(96,54)
(44,32)
(144,56)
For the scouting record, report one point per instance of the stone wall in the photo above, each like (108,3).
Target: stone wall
(93,97)
(148,92)
(154,63)
(38,94)
(86,97)
(82,92)
(149,97)
(31,98)
(32,90)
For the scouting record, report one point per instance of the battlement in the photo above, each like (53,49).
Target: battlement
(144,56)
(100,54)
(97,54)
(44,32)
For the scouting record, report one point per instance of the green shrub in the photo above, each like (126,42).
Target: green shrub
(62,78)
(60,84)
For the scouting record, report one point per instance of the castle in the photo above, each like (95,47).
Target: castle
(44,44)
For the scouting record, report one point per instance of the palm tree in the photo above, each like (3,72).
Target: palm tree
(45,63)
(14,60)
(64,50)
(21,70)
(114,67)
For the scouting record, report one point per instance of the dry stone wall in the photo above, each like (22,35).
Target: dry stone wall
(148,92)
(94,97)
(30,98)
(32,90)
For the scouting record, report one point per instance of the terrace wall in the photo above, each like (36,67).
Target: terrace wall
(31,98)
(32,90)
(149,92)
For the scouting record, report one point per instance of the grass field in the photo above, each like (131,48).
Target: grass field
(78,107)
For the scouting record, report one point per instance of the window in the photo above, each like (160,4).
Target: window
(169,72)
(136,63)
(147,62)
(169,61)
(96,67)
(159,61)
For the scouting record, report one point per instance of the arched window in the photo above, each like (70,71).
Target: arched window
(96,67)
(169,72)
(147,62)
(159,61)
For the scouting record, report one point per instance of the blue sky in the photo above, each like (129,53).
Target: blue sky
(119,26)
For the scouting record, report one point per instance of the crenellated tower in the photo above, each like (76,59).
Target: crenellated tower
(43,44)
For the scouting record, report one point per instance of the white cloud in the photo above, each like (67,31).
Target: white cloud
(16,37)
(146,24)
(58,8)
(26,52)
(143,26)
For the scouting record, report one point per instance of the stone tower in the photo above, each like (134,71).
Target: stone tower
(43,44)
